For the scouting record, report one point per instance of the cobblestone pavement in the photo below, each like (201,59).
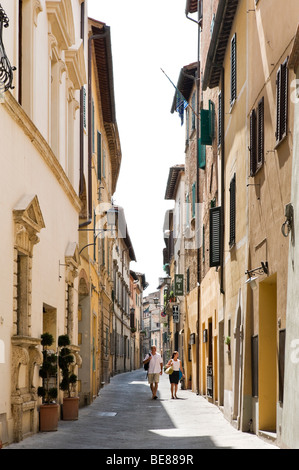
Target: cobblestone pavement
(124,416)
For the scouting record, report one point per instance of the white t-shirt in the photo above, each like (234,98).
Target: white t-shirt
(155,363)
(176,364)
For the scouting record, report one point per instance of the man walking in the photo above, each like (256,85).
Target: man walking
(154,370)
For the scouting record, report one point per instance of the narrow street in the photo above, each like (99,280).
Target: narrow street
(124,416)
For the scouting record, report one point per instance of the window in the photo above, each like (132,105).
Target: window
(207,124)
(233,62)
(257,138)
(219,118)
(215,236)
(281,102)
(193,199)
(187,210)
(232,212)
(22,294)
(99,156)
(193,113)
(201,155)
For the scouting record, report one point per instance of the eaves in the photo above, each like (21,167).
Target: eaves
(222,28)
(185,82)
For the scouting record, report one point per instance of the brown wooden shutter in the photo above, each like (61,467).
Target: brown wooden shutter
(260,133)
(278,88)
(233,68)
(219,118)
(284,100)
(232,214)
(215,236)
(252,142)
(281,102)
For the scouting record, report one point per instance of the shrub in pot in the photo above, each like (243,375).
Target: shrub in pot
(70,407)
(48,412)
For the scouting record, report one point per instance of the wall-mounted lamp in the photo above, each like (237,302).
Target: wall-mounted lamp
(111,221)
(288,224)
(263,269)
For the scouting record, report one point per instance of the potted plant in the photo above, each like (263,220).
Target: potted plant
(49,410)
(227,342)
(70,406)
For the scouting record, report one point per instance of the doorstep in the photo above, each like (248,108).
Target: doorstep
(268,435)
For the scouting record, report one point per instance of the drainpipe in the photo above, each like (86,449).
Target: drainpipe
(222,182)
(90,39)
(198,22)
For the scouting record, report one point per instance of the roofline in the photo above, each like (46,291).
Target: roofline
(222,27)
(175,172)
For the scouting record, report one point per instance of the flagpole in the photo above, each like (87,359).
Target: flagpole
(188,105)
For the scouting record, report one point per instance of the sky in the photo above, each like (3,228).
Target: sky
(147,37)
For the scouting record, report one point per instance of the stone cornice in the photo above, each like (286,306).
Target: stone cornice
(18,114)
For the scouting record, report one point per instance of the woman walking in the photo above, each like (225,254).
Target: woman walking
(174,377)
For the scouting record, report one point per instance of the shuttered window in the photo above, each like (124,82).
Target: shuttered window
(205,127)
(219,118)
(99,156)
(212,119)
(260,133)
(207,124)
(193,199)
(201,155)
(281,101)
(193,113)
(232,212)
(257,138)
(215,236)
(233,59)
(253,142)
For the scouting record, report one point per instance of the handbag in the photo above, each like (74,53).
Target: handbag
(169,370)
(180,374)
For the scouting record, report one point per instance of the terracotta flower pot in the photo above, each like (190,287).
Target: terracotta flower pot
(48,417)
(70,409)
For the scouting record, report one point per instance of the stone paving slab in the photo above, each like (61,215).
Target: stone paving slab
(124,416)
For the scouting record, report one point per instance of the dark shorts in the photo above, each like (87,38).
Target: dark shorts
(174,377)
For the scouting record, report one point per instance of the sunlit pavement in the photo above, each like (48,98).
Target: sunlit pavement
(124,416)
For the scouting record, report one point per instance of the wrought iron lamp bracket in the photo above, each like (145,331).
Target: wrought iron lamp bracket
(6,70)
(263,269)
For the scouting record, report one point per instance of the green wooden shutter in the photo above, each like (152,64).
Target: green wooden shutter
(201,155)
(205,127)
(215,236)
(99,155)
